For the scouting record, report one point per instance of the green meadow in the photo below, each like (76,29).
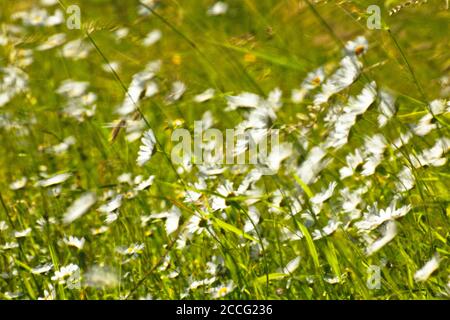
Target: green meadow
(95,205)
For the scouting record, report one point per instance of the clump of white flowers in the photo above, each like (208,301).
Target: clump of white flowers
(69,274)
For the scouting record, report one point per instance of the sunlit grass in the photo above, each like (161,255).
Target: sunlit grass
(256,46)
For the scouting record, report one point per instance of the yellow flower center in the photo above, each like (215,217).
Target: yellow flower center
(316,81)
(222,291)
(359,50)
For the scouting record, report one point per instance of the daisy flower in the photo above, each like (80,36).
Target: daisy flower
(76,49)
(79,207)
(374,217)
(99,230)
(177,91)
(22,234)
(72,241)
(353,161)
(147,147)
(142,185)
(222,290)
(325,194)
(18,184)
(133,249)
(225,190)
(344,76)
(42,268)
(390,231)
(291,266)
(253,219)
(49,294)
(243,100)
(330,228)
(112,205)
(52,42)
(206,95)
(312,165)
(277,155)
(3,225)
(425,272)
(114,65)
(217,9)
(386,108)
(172,219)
(357,47)
(152,37)
(14,81)
(201,283)
(121,33)
(406,180)
(65,273)
(62,147)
